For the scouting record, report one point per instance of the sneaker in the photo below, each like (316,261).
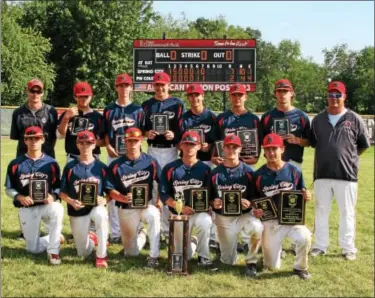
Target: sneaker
(101,263)
(204,262)
(350,256)
(302,274)
(213,244)
(54,259)
(251,270)
(152,263)
(316,252)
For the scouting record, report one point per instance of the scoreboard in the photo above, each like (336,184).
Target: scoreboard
(214,63)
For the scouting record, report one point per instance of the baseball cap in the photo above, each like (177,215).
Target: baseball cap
(161,78)
(33,131)
(283,84)
(123,78)
(237,88)
(194,88)
(232,139)
(35,83)
(191,137)
(133,133)
(273,140)
(337,86)
(82,89)
(86,136)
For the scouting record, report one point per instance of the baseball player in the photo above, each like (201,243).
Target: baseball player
(163,147)
(180,177)
(87,169)
(299,122)
(339,138)
(118,116)
(275,176)
(136,168)
(234,175)
(35,165)
(80,118)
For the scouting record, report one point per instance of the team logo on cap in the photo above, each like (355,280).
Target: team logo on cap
(269,139)
(83,89)
(335,84)
(192,88)
(232,137)
(32,132)
(158,77)
(122,78)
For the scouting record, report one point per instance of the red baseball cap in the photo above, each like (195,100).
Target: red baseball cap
(133,133)
(82,89)
(123,78)
(273,140)
(86,136)
(283,84)
(35,83)
(337,86)
(232,139)
(161,78)
(33,131)
(191,137)
(237,88)
(194,88)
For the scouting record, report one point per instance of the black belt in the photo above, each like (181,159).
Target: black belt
(162,145)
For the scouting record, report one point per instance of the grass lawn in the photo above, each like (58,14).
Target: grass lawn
(24,274)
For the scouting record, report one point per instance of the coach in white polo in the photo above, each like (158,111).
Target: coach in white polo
(339,137)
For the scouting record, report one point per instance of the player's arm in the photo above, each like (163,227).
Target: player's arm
(11,188)
(363,142)
(302,141)
(54,189)
(173,132)
(110,150)
(112,185)
(15,133)
(64,121)
(54,121)
(64,189)
(157,181)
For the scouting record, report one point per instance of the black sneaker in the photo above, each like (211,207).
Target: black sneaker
(302,274)
(213,245)
(316,252)
(204,262)
(152,263)
(251,270)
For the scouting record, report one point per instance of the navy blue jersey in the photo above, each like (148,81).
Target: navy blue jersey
(22,169)
(229,123)
(179,178)
(96,126)
(239,178)
(269,183)
(75,172)
(126,172)
(299,126)
(117,119)
(204,121)
(173,107)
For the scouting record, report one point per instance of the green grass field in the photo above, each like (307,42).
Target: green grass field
(24,274)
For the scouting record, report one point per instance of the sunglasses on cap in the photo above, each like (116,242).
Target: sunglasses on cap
(35,138)
(334,95)
(33,91)
(133,134)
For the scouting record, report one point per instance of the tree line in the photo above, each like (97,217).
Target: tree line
(63,42)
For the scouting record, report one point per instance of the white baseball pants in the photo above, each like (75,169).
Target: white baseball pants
(132,240)
(228,227)
(52,215)
(346,197)
(80,226)
(273,236)
(202,222)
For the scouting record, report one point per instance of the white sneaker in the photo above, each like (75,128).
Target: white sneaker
(54,259)
(350,256)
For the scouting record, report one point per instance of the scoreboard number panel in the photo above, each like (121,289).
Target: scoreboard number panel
(214,63)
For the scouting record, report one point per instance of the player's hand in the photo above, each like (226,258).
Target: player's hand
(306,195)
(76,204)
(250,160)
(112,152)
(258,213)
(187,210)
(218,203)
(70,113)
(169,135)
(102,201)
(25,200)
(205,147)
(292,139)
(217,160)
(49,199)
(245,204)
(151,134)
(123,199)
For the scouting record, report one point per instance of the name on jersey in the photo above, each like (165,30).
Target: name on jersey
(235,186)
(117,123)
(25,178)
(275,189)
(129,179)
(181,185)
(89,179)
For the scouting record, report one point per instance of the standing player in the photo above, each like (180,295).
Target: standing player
(299,123)
(273,177)
(80,118)
(35,165)
(181,177)
(118,116)
(234,175)
(86,168)
(163,147)
(339,138)
(129,170)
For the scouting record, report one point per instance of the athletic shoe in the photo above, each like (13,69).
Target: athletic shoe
(54,259)
(101,263)
(302,274)
(152,263)
(251,270)
(350,256)
(213,244)
(316,252)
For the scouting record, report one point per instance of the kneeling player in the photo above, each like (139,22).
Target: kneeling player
(234,175)
(270,179)
(38,172)
(87,176)
(133,174)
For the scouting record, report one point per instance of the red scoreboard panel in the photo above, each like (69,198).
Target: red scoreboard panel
(214,63)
